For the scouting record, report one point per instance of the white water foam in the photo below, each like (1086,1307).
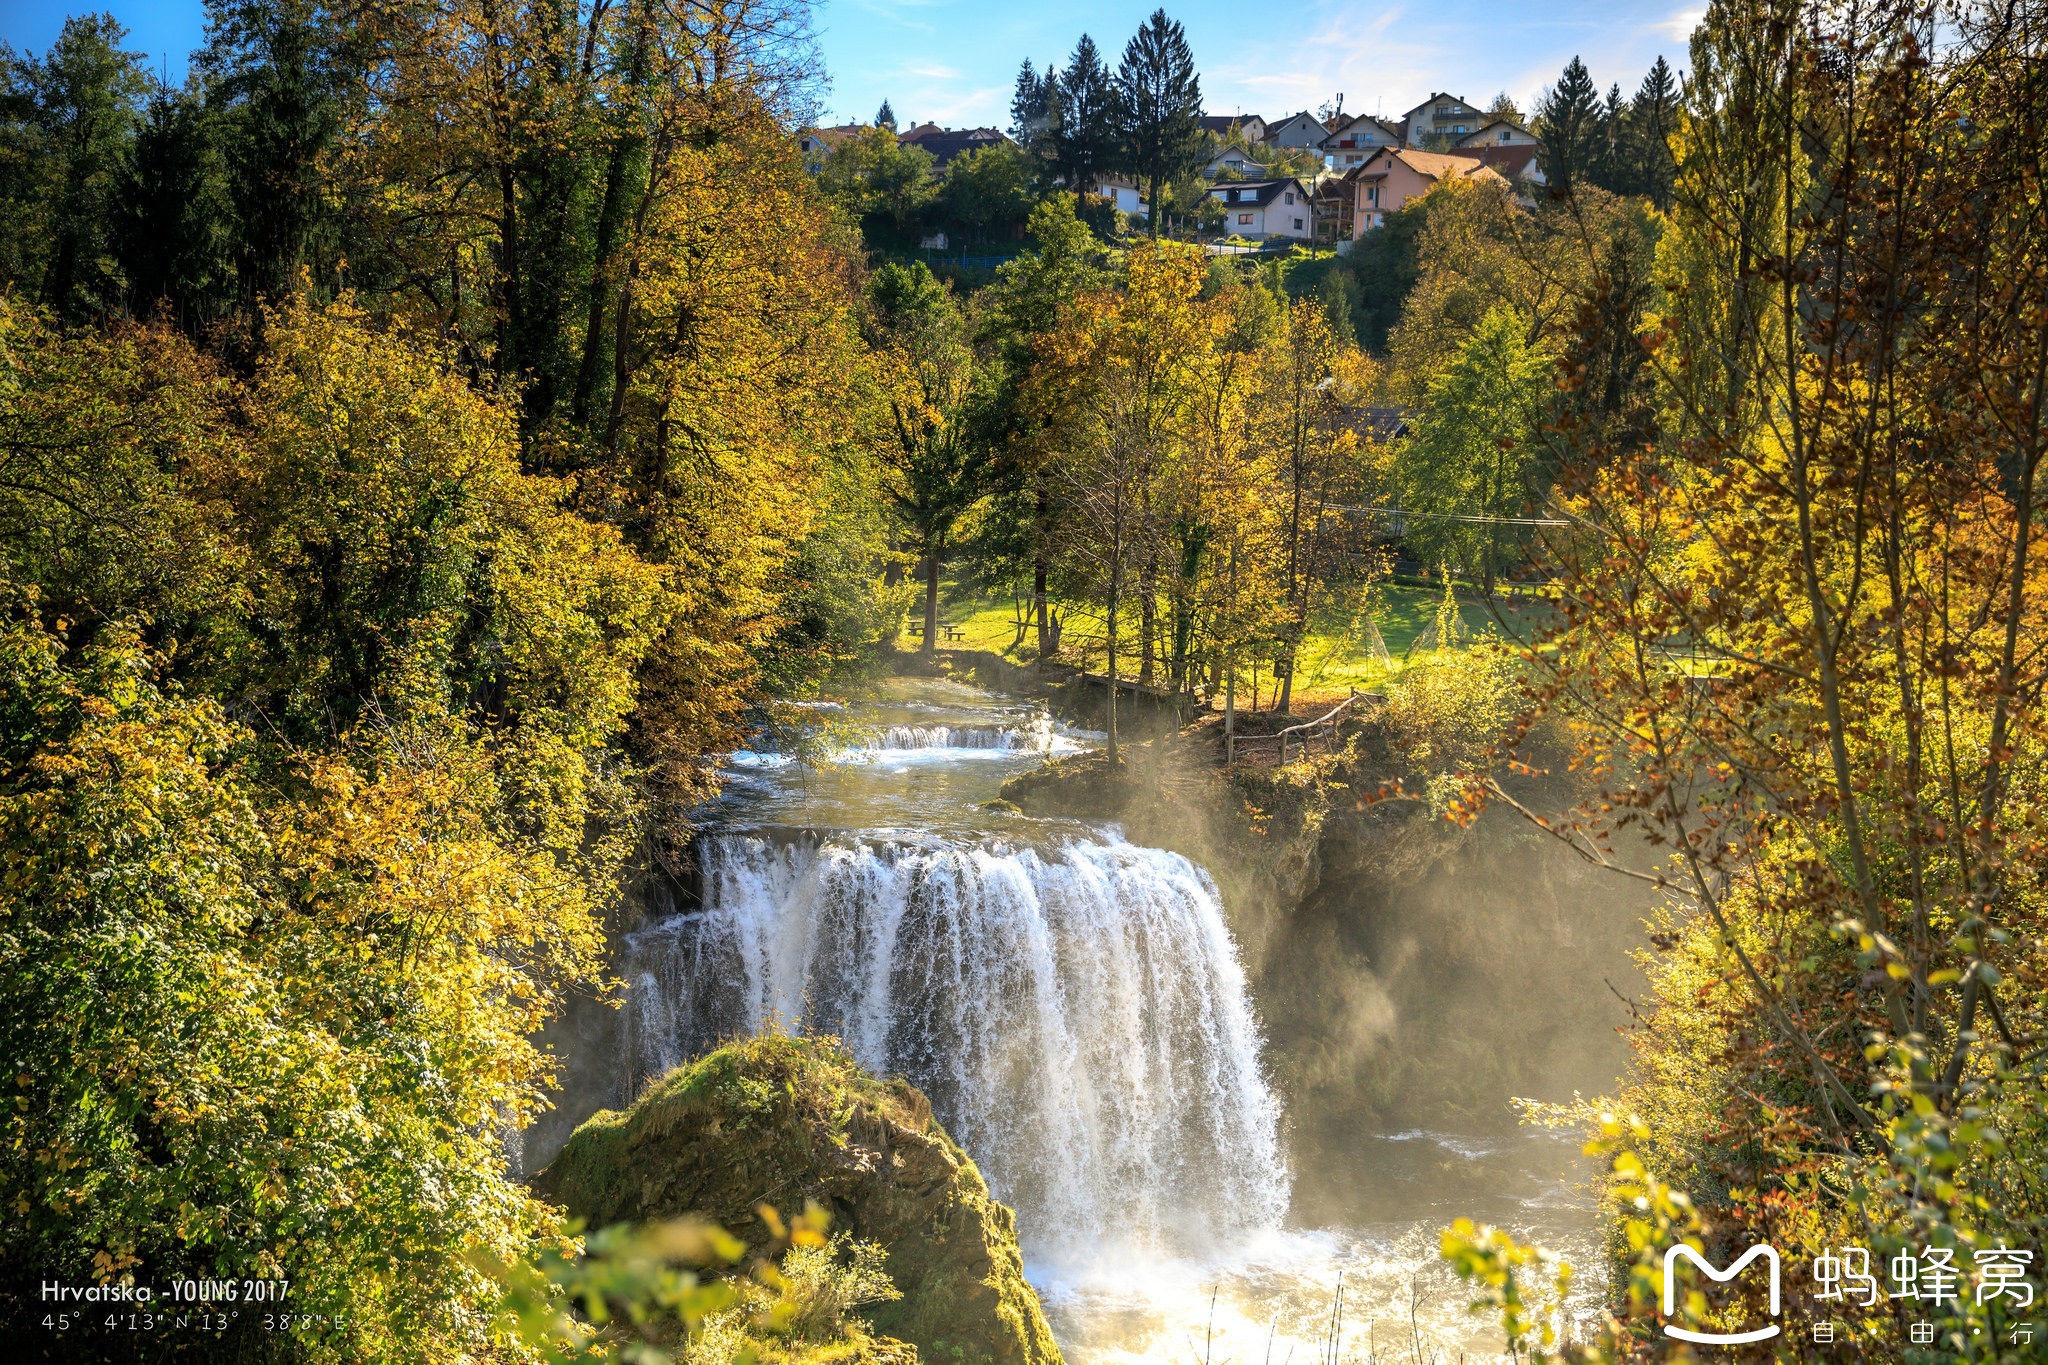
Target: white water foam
(1078,1016)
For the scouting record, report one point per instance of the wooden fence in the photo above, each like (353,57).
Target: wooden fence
(1296,741)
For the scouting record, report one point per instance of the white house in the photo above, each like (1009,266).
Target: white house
(1440,121)
(1498,132)
(1125,194)
(1265,210)
(1354,138)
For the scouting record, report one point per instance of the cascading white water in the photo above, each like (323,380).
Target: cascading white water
(1078,1016)
(956,737)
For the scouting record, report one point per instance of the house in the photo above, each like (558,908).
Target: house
(1517,163)
(1302,131)
(1354,138)
(1125,193)
(817,143)
(1394,175)
(1265,210)
(946,143)
(1497,132)
(1332,199)
(1235,164)
(1223,125)
(1439,121)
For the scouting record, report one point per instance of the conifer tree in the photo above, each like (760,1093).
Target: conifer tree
(1027,104)
(885,117)
(1568,119)
(277,85)
(1158,100)
(1084,144)
(72,114)
(1649,121)
(172,230)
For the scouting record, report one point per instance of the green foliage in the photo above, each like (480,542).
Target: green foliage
(65,122)
(1573,138)
(988,190)
(1450,705)
(873,175)
(261,1035)
(1473,453)
(1158,109)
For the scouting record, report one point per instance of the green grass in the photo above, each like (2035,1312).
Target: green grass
(1336,655)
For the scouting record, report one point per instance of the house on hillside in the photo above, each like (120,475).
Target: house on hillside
(1125,193)
(1517,163)
(1331,199)
(1497,132)
(1395,175)
(1355,137)
(946,143)
(817,143)
(1302,131)
(1223,125)
(1439,121)
(1234,164)
(1265,210)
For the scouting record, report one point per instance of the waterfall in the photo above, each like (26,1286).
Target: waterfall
(1078,1016)
(955,737)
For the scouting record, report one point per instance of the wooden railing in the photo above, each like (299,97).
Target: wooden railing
(1296,740)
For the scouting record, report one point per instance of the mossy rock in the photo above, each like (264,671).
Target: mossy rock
(782,1121)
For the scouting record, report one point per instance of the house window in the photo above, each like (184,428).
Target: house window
(1244,219)
(1503,135)
(1297,225)
(1290,196)
(1372,195)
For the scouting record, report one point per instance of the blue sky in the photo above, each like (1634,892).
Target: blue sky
(954,61)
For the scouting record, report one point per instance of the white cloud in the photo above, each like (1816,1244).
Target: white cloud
(1679,26)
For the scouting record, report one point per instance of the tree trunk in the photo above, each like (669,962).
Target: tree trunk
(1048,643)
(931,597)
(1148,620)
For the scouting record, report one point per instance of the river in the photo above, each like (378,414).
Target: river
(1076,1008)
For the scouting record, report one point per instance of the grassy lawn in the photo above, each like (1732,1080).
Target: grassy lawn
(1338,654)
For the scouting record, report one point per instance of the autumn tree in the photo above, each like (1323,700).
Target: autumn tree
(1022,308)
(929,374)
(1122,370)
(1798,642)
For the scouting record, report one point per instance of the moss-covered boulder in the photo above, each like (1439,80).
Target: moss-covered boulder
(781,1121)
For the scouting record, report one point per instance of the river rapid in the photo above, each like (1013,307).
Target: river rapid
(1076,1008)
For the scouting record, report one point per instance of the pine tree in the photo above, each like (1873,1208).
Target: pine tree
(172,229)
(1649,121)
(1610,166)
(885,117)
(75,110)
(1027,104)
(1158,100)
(1568,124)
(1085,141)
(278,87)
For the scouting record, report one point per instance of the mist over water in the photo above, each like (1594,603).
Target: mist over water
(1076,1013)
(1086,1024)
